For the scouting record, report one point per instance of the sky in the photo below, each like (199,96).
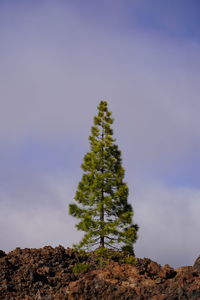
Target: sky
(58,60)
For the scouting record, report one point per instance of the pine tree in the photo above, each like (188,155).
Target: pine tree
(104,213)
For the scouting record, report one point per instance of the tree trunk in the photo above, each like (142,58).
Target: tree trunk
(102,242)
(102,219)
(102,198)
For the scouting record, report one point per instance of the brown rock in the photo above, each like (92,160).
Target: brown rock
(197,264)
(47,274)
(2,253)
(167,272)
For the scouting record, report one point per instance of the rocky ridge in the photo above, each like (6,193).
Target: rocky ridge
(58,273)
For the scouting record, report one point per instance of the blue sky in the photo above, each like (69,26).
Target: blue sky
(58,59)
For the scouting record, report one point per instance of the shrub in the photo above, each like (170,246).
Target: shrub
(80,268)
(128,260)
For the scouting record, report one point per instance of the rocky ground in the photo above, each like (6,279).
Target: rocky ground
(58,273)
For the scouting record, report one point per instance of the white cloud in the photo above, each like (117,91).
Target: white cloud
(38,218)
(169,224)
(55,67)
(168,219)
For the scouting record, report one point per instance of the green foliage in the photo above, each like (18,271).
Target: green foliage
(102,262)
(128,260)
(82,253)
(104,252)
(101,197)
(80,268)
(104,256)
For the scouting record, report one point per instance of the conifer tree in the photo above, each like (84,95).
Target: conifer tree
(102,207)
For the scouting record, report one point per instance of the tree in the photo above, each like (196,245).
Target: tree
(104,213)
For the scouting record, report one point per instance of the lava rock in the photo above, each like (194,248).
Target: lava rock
(51,274)
(197,264)
(2,253)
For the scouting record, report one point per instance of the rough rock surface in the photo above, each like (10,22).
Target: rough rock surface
(197,264)
(50,274)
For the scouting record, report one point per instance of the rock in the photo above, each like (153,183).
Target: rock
(2,253)
(167,272)
(48,274)
(197,264)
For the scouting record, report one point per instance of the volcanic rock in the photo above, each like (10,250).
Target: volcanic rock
(197,264)
(58,273)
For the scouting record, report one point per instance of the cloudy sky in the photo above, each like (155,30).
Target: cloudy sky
(58,59)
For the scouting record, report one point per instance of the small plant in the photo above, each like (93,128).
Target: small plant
(83,255)
(80,268)
(103,252)
(106,255)
(82,252)
(129,260)
(102,262)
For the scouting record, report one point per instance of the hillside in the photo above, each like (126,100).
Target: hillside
(58,273)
